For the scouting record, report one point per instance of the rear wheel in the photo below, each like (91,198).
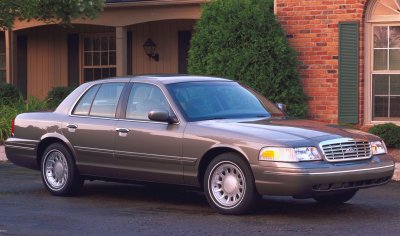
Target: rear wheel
(229,185)
(59,173)
(335,198)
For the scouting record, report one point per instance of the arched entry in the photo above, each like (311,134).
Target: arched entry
(382,61)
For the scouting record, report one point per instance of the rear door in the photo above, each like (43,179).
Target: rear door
(91,128)
(144,149)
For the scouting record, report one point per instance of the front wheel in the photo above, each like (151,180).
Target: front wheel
(229,185)
(335,198)
(59,174)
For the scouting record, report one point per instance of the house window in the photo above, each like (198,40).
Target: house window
(99,57)
(3,73)
(386,73)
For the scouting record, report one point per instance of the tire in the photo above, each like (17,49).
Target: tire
(229,185)
(59,173)
(335,198)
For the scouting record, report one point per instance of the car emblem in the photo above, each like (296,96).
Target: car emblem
(349,150)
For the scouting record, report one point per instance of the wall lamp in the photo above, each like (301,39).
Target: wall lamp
(150,49)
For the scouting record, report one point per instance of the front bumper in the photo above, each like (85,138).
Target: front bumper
(306,178)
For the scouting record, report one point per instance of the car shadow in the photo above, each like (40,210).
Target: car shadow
(192,201)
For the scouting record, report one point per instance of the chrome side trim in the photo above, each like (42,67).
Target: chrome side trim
(95,150)
(330,172)
(20,147)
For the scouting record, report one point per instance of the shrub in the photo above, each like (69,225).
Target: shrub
(57,95)
(9,94)
(9,111)
(390,133)
(242,40)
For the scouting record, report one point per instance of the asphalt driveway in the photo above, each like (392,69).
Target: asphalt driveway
(103,208)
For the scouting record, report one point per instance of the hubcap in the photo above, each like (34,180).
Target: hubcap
(56,170)
(227,184)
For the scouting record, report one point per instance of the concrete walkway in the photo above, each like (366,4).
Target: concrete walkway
(396,175)
(2,154)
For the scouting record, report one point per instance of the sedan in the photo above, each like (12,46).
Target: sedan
(211,133)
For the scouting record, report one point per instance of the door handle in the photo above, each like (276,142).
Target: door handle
(122,130)
(72,126)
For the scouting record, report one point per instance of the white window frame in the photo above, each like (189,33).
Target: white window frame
(371,21)
(82,54)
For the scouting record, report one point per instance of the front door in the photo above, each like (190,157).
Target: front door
(147,150)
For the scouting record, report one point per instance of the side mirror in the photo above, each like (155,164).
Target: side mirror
(281,106)
(161,115)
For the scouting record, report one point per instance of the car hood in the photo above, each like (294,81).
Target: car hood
(292,132)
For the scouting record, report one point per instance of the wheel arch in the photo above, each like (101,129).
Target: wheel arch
(49,139)
(211,154)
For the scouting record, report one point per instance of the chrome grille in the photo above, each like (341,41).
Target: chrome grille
(337,150)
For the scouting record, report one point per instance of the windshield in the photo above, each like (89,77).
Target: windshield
(218,100)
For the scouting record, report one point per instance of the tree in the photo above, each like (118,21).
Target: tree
(59,11)
(242,40)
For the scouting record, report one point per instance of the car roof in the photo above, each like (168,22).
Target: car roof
(163,79)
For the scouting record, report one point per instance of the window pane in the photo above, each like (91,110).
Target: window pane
(2,61)
(84,104)
(394,59)
(88,74)
(380,37)
(395,85)
(97,73)
(380,59)
(104,43)
(113,72)
(96,58)
(105,103)
(380,84)
(144,98)
(112,58)
(381,106)
(112,43)
(104,58)
(88,59)
(395,107)
(394,39)
(105,73)
(96,44)
(87,44)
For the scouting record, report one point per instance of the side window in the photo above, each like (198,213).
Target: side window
(83,106)
(144,98)
(106,100)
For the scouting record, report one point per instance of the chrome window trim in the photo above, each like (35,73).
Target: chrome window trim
(131,120)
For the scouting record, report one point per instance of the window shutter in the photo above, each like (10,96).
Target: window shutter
(73,59)
(349,72)
(22,63)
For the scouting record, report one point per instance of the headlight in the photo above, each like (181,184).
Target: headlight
(289,154)
(378,147)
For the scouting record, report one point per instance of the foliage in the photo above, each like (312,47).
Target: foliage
(389,132)
(57,95)
(9,94)
(60,11)
(9,111)
(242,40)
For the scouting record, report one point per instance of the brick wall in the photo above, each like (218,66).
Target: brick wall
(312,29)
